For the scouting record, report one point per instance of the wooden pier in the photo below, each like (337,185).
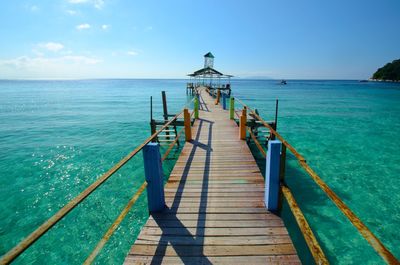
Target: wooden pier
(215,210)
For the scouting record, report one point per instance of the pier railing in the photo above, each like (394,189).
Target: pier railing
(48,224)
(305,229)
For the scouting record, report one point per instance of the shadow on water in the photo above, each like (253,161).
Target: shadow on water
(193,245)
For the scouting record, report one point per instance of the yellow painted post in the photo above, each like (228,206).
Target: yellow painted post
(242,124)
(188,128)
(218,96)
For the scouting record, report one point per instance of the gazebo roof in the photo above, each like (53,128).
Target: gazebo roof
(210,55)
(208,72)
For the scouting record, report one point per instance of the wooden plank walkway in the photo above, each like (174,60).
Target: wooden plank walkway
(215,212)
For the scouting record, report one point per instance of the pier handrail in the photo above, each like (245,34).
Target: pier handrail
(351,216)
(49,223)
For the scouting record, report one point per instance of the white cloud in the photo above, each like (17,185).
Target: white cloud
(48,67)
(71,12)
(52,46)
(132,53)
(105,27)
(83,26)
(34,8)
(96,3)
(78,1)
(26,61)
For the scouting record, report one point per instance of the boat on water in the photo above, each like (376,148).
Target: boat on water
(283,82)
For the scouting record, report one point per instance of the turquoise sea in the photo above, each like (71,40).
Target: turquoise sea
(57,137)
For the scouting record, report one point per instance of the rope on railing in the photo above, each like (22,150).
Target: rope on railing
(353,218)
(264,154)
(305,228)
(41,230)
(115,225)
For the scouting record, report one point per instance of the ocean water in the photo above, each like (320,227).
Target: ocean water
(57,137)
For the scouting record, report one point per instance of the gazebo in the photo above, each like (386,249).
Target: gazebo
(209,77)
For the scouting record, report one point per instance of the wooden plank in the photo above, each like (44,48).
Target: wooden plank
(213,223)
(228,260)
(218,203)
(233,181)
(215,195)
(215,210)
(216,216)
(215,231)
(195,251)
(213,240)
(214,199)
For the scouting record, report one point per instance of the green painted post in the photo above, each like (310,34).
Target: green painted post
(196,107)
(231,108)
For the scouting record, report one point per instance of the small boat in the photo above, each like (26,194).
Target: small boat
(363,81)
(283,82)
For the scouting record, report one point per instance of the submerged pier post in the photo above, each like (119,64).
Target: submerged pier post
(186,122)
(242,124)
(272,183)
(154,177)
(232,108)
(282,170)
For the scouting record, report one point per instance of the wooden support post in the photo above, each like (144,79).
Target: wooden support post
(242,124)
(276,115)
(152,121)
(154,177)
(282,169)
(273,137)
(218,97)
(188,128)
(232,108)
(153,130)
(272,185)
(196,107)
(165,110)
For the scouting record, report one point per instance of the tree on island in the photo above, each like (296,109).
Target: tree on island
(390,72)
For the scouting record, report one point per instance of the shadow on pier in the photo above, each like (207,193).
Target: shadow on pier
(184,242)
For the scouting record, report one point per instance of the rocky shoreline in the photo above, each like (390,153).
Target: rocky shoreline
(383,80)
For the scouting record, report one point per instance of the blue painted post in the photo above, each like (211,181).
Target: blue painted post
(224,101)
(272,185)
(154,177)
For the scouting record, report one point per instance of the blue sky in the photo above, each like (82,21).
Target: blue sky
(310,39)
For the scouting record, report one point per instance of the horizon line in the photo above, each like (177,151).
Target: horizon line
(172,78)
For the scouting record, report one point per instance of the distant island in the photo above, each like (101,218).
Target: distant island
(390,72)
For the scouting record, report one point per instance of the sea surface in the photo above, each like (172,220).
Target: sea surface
(57,137)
